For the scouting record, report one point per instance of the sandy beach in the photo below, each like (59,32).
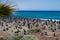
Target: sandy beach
(48,29)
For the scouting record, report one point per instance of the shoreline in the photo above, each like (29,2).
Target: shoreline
(35,18)
(51,19)
(42,19)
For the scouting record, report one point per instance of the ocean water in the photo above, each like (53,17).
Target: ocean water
(38,14)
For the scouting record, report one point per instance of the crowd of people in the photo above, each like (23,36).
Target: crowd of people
(21,25)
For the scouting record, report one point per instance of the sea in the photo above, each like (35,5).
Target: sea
(55,15)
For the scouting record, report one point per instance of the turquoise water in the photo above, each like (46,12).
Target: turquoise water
(38,14)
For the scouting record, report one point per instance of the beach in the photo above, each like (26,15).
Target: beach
(49,29)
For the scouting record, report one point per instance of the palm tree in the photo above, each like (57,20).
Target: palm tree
(5,10)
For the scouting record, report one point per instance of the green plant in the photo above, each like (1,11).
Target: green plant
(16,36)
(29,37)
(33,30)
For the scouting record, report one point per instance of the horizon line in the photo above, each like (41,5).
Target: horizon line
(36,10)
